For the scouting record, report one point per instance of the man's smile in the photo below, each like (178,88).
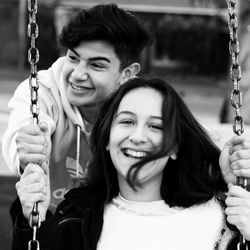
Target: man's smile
(78,87)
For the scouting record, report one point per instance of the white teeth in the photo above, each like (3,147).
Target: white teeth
(135,154)
(76,87)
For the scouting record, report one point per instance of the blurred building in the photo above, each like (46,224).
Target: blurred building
(190,35)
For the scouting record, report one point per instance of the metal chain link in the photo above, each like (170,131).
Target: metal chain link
(33,58)
(236,94)
(235,70)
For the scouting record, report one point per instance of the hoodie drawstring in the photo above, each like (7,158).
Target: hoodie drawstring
(78,139)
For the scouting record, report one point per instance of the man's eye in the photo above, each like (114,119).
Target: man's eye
(73,58)
(98,65)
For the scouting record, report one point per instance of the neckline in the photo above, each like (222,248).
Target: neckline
(149,209)
(123,199)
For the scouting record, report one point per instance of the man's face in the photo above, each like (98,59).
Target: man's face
(91,72)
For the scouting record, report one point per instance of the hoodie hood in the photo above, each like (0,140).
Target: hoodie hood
(71,111)
(55,82)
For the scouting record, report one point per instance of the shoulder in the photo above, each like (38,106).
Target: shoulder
(49,78)
(87,197)
(212,207)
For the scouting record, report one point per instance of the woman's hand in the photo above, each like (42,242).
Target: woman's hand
(34,187)
(235,159)
(238,209)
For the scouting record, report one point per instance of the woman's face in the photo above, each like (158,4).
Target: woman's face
(136,132)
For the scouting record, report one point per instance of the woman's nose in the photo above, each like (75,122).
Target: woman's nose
(138,136)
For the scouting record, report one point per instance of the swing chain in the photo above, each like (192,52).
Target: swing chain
(236,94)
(33,58)
(235,70)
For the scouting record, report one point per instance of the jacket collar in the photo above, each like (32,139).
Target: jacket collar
(86,198)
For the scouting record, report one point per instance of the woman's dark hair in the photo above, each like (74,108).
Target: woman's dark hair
(108,23)
(194,177)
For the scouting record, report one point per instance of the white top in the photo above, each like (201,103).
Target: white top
(154,225)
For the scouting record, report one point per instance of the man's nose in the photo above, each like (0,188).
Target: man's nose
(80,72)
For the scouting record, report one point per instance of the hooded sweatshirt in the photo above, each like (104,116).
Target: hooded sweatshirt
(65,127)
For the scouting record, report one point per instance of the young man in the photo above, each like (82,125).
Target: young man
(103,45)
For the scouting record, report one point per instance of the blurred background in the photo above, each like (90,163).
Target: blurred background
(190,50)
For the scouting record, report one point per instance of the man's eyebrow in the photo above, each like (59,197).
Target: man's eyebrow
(74,52)
(97,58)
(100,58)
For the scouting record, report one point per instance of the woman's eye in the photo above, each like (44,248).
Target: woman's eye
(156,126)
(126,122)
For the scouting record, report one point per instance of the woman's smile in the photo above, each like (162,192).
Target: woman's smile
(135,153)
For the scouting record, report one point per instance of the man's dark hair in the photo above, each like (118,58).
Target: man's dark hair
(108,23)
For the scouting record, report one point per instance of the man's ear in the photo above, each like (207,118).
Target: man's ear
(130,71)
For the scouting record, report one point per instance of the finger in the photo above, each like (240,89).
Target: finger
(240,164)
(32,168)
(43,126)
(32,129)
(38,179)
(233,201)
(236,211)
(242,147)
(31,148)
(31,189)
(237,192)
(239,154)
(238,221)
(32,158)
(34,188)
(39,139)
(45,167)
(245,173)
(29,200)
(239,143)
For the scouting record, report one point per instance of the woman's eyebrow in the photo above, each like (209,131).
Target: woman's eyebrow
(124,112)
(156,117)
(131,113)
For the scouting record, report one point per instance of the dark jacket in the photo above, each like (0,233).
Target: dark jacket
(76,224)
